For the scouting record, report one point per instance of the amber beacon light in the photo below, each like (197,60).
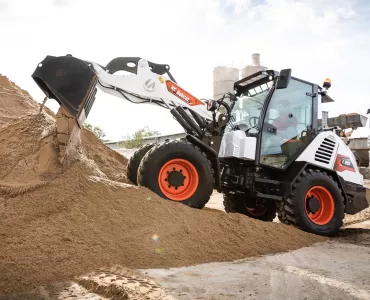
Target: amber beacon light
(327,83)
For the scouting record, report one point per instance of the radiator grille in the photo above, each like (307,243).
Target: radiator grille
(326,149)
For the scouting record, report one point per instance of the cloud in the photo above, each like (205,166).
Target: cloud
(4,6)
(60,2)
(317,39)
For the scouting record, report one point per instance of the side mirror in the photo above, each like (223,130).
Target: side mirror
(284,79)
(368,111)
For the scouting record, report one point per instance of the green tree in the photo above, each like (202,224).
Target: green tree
(98,131)
(136,140)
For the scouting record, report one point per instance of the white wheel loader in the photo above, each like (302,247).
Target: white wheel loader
(266,146)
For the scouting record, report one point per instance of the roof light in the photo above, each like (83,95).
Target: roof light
(327,83)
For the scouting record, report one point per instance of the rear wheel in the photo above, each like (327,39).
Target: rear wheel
(178,171)
(135,160)
(315,205)
(236,204)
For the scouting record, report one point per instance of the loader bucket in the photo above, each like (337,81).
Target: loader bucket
(70,81)
(345,121)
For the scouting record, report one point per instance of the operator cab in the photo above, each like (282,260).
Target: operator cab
(280,111)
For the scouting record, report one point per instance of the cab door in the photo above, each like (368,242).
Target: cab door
(287,122)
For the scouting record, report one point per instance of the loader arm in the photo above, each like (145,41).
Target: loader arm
(73,83)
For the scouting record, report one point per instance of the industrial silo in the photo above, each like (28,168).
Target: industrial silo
(224,77)
(254,67)
(223,80)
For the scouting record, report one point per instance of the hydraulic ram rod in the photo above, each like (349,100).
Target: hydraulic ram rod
(190,121)
(181,121)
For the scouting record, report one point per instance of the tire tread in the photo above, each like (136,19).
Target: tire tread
(286,208)
(135,160)
(187,147)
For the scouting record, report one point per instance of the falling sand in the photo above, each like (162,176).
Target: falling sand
(57,222)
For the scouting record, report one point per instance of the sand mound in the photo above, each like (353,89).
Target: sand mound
(111,163)
(27,151)
(15,102)
(58,222)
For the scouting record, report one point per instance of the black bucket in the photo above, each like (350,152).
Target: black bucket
(68,80)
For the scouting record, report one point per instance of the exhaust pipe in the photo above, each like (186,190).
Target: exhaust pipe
(70,81)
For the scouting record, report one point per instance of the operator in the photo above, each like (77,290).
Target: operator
(286,129)
(285,119)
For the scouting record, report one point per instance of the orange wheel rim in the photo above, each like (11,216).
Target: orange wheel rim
(178,179)
(321,209)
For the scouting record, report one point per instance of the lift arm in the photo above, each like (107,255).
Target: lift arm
(73,83)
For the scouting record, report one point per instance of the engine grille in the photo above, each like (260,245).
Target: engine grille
(326,149)
(236,151)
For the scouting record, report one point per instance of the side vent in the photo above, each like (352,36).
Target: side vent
(326,149)
(236,151)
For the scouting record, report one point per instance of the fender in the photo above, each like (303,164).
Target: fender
(212,156)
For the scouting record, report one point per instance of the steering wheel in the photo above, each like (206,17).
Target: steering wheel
(255,122)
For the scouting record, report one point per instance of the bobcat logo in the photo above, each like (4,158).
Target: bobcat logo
(149,85)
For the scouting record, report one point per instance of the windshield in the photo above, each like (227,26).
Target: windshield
(247,110)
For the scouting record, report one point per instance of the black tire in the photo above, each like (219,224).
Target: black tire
(135,160)
(293,211)
(236,204)
(160,155)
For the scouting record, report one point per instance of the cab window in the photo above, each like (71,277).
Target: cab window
(287,121)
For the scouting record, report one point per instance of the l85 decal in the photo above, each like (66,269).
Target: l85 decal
(182,94)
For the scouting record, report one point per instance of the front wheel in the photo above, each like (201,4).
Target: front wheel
(315,205)
(135,160)
(178,171)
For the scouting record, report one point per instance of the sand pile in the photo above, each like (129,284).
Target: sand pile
(11,101)
(57,222)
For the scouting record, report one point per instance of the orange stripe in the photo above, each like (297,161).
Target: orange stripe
(182,94)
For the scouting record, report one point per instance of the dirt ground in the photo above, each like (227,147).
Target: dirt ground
(336,269)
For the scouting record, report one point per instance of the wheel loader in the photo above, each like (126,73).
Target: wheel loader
(265,147)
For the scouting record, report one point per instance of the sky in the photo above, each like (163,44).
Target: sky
(316,39)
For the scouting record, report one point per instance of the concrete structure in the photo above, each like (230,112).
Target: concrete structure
(224,77)
(254,67)
(153,139)
(223,80)
(360,145)
(126,152)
